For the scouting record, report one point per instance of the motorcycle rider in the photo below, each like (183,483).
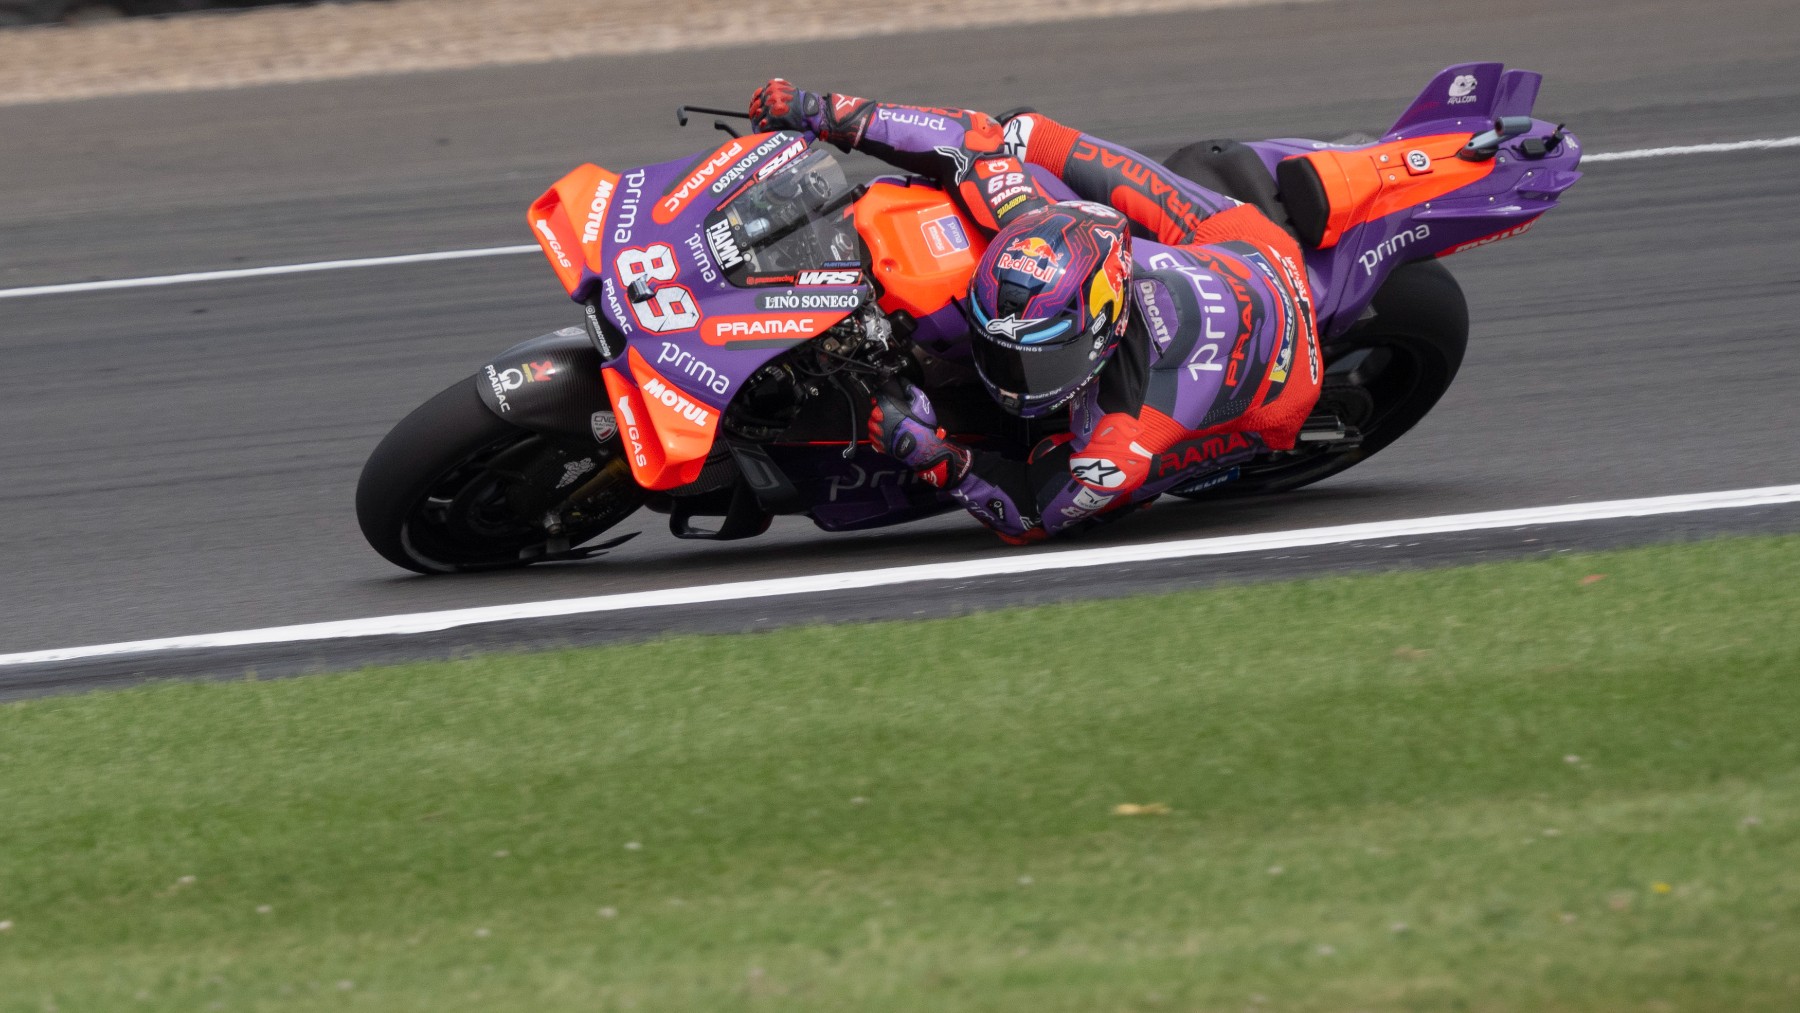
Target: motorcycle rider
(1174,322)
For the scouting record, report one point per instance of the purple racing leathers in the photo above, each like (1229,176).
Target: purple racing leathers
(1220,360)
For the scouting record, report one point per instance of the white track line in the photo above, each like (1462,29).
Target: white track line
(263,272)
(1694,149)
(71,288)
(430,622)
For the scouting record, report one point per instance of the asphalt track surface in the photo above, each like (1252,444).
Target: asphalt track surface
(182,460)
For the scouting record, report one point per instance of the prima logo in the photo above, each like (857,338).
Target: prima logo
(628,206)
(699,371)
(872,478)
(1371,259)
(912,119)
(704,264)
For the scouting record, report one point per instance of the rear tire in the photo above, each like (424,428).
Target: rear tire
(453,488)
(1382,377)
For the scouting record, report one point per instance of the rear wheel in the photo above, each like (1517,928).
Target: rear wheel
(1380,380)
(453,487)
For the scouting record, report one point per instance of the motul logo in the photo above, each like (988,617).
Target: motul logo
(678,199)
(656,390)
(597,211)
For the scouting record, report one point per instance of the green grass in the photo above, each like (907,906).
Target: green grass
(1420,791)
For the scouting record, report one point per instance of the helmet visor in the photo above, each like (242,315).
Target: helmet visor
(1035,374)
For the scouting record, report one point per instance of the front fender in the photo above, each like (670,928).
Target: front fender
(550,384)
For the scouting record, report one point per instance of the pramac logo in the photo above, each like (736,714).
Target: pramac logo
(683,195)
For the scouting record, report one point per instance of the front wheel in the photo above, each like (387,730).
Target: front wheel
(1381,379)
(453,487)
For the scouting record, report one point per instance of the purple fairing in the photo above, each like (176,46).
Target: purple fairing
(1467,98)
(700,358)
(869,490)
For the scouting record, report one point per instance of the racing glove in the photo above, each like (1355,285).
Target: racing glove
(904,426)
(778,105)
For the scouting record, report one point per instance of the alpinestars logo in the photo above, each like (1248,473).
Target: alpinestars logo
(670,397)
(1097,472)
(959,158)
(1462,89)
(1012,326)
(1017,136)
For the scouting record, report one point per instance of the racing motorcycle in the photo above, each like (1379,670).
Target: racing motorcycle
(740,306)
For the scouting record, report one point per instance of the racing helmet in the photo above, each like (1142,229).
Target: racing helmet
(1048,304)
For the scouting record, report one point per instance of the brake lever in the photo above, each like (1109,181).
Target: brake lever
(681,113)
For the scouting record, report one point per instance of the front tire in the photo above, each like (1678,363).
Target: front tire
(455,488)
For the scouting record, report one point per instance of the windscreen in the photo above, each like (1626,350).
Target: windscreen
(796,218)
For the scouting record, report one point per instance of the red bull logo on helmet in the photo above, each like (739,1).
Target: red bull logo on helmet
(1107,293)
(1032,257)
